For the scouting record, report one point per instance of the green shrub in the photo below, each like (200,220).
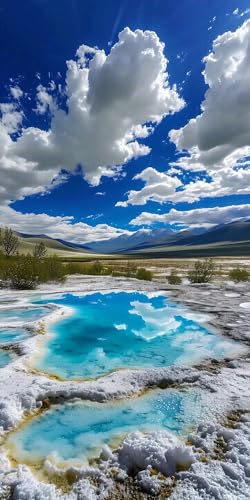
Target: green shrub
(51,269)
(107,271)
(131,270)
(202,272)
(25,272)
(117,273)
(40,250)
(73,268)
(20,273)
(96,268)
(238,274)
(143,274)
(174,279)
(8,241)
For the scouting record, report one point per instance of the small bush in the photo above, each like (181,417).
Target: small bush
(116,273)
(107,271)
(73,268)
(174,279)
(202,272)
(20,274)
(238,274)
(130,270)
(51,269)
(143,274)
(9,241)
(25,272)
(96,268)
(40,250)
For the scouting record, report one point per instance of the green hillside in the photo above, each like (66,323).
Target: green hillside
(27,244)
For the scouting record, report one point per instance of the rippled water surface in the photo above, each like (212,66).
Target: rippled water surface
(22,314)
(77,431)
(112,331)
(5,358)
(12,335)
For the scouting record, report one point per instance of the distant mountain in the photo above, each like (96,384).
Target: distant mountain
(234,231)
(147,240)
(124,243)
(224,240)
(140,240)
(232,237)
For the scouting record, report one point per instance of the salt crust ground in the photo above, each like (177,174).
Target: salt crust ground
(214,472)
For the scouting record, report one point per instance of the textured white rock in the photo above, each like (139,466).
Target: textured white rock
(161,450)
(226,389)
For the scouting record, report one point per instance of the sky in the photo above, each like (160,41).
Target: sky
(118,116)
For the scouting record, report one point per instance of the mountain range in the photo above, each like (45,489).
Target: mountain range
(231,238)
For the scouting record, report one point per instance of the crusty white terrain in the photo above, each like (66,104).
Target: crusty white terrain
(214,462)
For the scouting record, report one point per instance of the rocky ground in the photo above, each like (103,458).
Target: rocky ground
(214,461)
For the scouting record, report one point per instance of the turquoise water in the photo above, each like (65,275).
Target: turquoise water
(5,358)
(12,335)
(119,330)
(77,431)
(17,314)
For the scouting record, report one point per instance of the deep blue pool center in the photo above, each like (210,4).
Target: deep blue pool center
(117,330)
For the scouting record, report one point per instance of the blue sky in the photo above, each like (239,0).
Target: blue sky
(38,37)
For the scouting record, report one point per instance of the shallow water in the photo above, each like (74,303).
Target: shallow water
(5,358)
(22,314)
(118,330)
(77,431)
(12,335)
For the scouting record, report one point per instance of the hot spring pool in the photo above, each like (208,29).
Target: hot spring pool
(12,315)
(110,331)
(5,358)
(77,431)
(12,335)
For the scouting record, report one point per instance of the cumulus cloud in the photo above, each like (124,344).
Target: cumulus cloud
(112,102)
(218,140)
(57,226)
(44,100)
(16,92)
(194,218)
(159,187)
(215,144)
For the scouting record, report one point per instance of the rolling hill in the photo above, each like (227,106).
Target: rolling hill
(62,248)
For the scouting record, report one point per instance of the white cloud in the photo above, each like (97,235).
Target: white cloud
(16,92)
(194,218)
(218,140)
(236,12)
(112,101)
(215,144)
(57,226)
(10,122)
(94,216)
(44,101)
(159,187)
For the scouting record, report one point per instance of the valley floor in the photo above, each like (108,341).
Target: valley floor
(144,466)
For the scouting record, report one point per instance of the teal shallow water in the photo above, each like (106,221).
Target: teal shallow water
(5,358)
(77,431)
(112,331)
(24,314)
(12,335)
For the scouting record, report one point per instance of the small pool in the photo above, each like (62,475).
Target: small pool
(12,315)
(5,358)
(77,431)
(115,330)
(12,335)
